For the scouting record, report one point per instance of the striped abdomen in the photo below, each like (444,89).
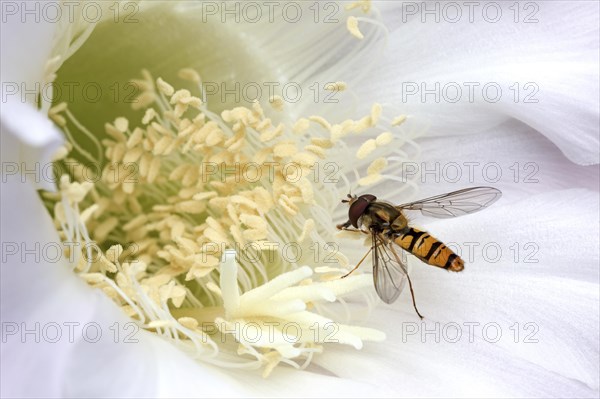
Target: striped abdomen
(429,249)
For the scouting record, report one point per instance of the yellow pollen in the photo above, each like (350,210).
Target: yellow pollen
(397,121)
(365,5)
(301,126)
(323,143)
(317,150)
(336,86)
(136,222)
(377,166)
(205,196)
(180,95)
(277,103)
(286,203)
(164,87)
(60,153)
(121,124)
(272,133)
(285,149)
(58,119)
(366,149)
(384,139)
(133,155)
(190,75)
(376,110)
(57,109)
(352,26)
(135,138)
(204,183)
(305,159)
(321,121)
(115,133)
(193,207)
(144,100)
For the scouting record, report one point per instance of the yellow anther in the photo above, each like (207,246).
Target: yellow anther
(352,26)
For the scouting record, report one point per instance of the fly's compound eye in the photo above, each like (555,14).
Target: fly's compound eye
(358,207)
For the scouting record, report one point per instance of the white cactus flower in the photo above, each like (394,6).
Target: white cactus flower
(206,280)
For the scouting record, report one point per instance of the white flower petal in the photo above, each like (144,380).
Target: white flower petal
(26,47)
(41,294)
(39,291)
(439,369)
(22,74)
(181,379)
(512,157)
(29,141)
(555,355)
(558,55)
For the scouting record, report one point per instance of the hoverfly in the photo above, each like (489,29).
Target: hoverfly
(388,227)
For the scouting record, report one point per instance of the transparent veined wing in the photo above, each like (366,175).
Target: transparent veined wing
(389,273)
(456,203)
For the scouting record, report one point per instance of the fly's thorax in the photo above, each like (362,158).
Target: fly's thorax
(400,224)
(379,216)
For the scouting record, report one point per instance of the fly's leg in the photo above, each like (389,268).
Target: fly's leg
(412,292)
(344,226)
(356,267)
(354,230)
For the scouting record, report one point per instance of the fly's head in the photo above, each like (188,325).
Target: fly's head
(358,206)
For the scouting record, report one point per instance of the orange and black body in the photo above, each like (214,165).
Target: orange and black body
(429,249)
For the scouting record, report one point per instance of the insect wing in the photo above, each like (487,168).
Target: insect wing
(456,203)
(389,273)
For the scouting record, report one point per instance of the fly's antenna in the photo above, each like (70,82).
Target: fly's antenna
(345,201)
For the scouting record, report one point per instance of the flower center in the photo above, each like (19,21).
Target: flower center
(158,184)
